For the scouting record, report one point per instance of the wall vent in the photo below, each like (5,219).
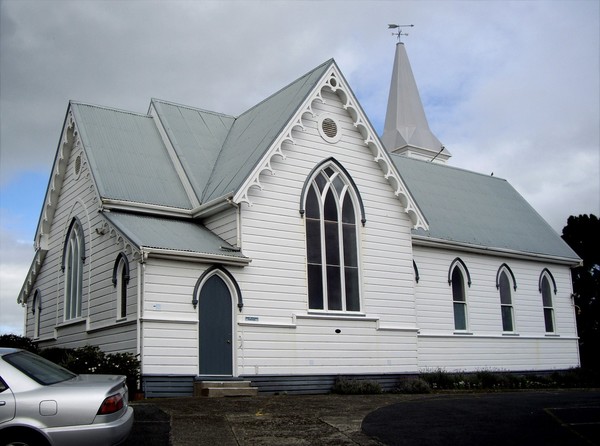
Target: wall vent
(329,129)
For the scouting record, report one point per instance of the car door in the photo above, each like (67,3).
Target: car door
(7,403)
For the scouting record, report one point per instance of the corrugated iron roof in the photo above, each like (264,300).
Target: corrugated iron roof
(127,157)
(467,207)
(255,131)
(197,137)
(171,234)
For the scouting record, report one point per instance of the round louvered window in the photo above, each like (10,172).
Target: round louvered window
(329,129)
(77,166)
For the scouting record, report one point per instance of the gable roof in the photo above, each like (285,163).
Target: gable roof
(255,131)
(127,157)
(468,208)
(196,136)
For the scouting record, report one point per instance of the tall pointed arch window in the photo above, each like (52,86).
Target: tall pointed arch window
(73,258)
(331,203)
(546,286)
(120,281)
(36,310)
(456,279)
(505,283)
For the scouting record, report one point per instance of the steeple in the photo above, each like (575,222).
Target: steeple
(406,130)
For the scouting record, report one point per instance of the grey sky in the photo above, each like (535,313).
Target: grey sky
(508,87)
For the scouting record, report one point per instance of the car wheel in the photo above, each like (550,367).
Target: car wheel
(23,438)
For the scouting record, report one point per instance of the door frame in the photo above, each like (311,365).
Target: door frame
(234,294)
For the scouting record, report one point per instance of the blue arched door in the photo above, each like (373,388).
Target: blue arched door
(216,328)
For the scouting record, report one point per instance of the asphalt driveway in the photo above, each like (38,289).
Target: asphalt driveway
(529,418)
(514,418)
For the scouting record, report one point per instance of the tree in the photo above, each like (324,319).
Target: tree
(582,233)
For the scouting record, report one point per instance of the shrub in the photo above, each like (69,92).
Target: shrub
(82,360)
(90,359)
(16,341)
(413,386)
(345,386)
(440,379)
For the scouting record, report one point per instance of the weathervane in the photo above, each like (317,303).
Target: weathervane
(399,28)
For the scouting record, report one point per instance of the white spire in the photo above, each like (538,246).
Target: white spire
(406,130)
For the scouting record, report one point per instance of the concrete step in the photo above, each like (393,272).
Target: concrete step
(216,389)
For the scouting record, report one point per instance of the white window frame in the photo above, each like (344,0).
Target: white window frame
(74,256)
(348,188)
(546,290)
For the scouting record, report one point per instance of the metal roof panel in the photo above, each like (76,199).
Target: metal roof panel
(170,234)
(481,210)
(255,131)
(127,157)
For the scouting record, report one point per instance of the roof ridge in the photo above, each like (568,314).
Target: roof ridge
(308,73)
(113,109)
(446,166)
(328,62)
(190,107)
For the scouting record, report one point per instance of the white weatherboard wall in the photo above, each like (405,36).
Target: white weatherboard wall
(169,320)
(485,345)
(277,333)
(98,324)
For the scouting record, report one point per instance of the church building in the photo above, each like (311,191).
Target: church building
(290,245)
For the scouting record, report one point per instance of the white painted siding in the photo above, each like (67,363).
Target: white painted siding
(486,345)
(313,346)
(275,284)
(224,224)
(97,325)
(169,320)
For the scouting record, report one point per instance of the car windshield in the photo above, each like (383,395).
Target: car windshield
(38,368)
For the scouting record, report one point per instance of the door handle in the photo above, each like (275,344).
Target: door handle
(2,403)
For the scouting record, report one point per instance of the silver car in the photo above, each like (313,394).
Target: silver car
(44,404)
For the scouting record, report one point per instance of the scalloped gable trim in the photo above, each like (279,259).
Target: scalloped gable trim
(334,80)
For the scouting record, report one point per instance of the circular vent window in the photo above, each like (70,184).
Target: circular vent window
(77,166)
(329,129)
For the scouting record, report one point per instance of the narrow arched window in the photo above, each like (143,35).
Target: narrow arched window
(36,310)
(331,241)
(506,304)
(120,281)
(74,254)
(547,301)
(456,278)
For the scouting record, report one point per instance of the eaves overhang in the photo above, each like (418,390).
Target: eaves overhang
(189,256)
(32,274)
(430,242)
(152,239)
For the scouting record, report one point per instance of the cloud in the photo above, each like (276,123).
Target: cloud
(509,87)
(15,259)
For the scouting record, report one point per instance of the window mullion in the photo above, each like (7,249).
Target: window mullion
(323,248)
(340,229)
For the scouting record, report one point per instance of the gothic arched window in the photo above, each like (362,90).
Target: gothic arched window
(331,203)
(456,278)
(73,258)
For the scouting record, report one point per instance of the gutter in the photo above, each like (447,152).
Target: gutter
(204,210)
(213,206)
(429,242)
(188,256)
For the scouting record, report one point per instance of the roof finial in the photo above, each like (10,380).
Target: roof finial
(399,33)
